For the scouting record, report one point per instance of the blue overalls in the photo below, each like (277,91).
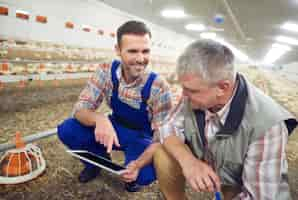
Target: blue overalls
(132,126)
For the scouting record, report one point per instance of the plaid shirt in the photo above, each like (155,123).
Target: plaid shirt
(100,86)
(265,159)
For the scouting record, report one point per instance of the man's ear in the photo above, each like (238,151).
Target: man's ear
(117,49)
(223,86)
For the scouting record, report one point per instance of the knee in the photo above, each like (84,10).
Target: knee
(165,165)
(169,175)
(162,159)
(158,155)
(65,129)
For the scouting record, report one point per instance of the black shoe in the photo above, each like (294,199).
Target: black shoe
(132,187)
(88,174)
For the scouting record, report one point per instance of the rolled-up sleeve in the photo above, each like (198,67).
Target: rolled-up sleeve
(160,102)
(173,124)
(94,92)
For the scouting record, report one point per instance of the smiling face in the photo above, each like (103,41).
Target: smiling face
(134,51)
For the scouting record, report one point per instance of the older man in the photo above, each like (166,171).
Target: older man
(226,135)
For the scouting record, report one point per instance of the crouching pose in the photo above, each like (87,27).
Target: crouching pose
(139,100)
(226,135)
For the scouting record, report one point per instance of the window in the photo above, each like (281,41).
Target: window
(22,14)
(41,19)
(69,25)
(4,67)
(3,10)
(112,35)
(100,32)
(86,28)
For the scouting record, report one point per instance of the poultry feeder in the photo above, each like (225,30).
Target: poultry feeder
(21,164)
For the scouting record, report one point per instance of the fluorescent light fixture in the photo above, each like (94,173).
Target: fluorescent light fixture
(215,29)
(287,40)
(22,12)
(281,46)
(276,51)
(290,27)
(238,54)
(208,35)
(195,27)
(175,13)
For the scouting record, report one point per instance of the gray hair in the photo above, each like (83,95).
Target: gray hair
(209,59)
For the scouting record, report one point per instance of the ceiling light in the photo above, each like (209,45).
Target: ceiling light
(195,27)
(276,51)
(215,29)
(281,46)
(208,35)
(175,13)
(287,40)
(290,26)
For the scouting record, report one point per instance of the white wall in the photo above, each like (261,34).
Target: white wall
(80,12)
(292,67)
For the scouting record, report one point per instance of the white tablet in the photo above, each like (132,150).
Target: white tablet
(97,161)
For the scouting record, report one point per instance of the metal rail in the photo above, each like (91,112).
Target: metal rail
(50,61)
(234,20)
(28,139)
(63,76)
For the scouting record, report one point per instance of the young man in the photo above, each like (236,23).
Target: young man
(226,135)
(139,99)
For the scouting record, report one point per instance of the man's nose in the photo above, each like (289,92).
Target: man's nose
(140,58)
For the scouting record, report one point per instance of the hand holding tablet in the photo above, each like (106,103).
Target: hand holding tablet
(98,161)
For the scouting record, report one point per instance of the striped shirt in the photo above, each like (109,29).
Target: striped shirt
(99,88)
(265,159)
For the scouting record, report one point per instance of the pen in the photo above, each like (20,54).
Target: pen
(217,196)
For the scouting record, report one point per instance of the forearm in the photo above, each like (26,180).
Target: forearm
(147,156)
(198,174)
(177,149)
(88,117)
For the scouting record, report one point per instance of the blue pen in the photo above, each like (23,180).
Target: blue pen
(217,196)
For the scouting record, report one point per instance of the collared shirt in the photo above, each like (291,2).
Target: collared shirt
(100,86)
(265,159)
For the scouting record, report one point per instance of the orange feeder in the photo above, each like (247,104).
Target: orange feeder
(22,84)
(17,163)
(56,82)
(21,164)
(1,85)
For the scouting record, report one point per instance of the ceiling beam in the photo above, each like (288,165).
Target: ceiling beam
(234,20)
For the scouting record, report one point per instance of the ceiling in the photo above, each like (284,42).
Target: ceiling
(254,28)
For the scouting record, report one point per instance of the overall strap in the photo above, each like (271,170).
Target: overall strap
(147,89)
(115,80)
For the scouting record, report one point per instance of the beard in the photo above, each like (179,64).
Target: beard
(135,70)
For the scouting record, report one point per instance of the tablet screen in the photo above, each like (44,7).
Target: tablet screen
(100,160)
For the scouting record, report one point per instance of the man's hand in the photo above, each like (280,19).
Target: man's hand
(105,133)
(200,176)
(131,173)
